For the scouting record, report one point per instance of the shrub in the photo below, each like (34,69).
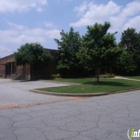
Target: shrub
(58,75)
(53,76)
(108,75)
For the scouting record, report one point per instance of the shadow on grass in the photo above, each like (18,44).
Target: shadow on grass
(107,83)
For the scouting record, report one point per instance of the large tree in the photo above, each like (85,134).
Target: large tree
(68,46)
(130,41)
(33,54)
(125,61)
(99,47)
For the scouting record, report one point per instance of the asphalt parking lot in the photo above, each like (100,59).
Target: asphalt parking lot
(65,118)
(17,92)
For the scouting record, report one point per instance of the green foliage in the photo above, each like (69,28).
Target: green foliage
(108,75)
(53,76)
(99,47)
(85,59)
(33,54)
(58,75)
(125,61)
(68,46)
(130,41)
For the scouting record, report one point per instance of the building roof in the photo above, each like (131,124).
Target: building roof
(7,56)
(13,54)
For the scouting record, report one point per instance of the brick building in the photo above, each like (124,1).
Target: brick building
(8,69)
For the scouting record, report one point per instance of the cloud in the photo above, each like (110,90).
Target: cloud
(11,39)
(49,24)
(21,5)
(20,27)
(53,33)
(133,22)
(81,9)
(64,0)
(4,51)
(39,9)
(96,13)
(131,9)
(28,35)
(116,14)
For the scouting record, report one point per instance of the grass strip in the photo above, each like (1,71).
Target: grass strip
(89,85)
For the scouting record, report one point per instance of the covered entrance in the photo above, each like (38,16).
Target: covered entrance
(10,68)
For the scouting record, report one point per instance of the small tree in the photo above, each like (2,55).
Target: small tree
(33,54)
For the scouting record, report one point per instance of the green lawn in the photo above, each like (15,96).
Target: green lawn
(89,85)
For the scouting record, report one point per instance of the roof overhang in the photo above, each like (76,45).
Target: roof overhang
(10,61)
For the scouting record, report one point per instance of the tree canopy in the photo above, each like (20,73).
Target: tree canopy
(68,46)
(99,47)
(33,54)
(125,61)
(130,41)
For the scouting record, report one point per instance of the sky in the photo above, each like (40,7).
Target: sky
(40,21)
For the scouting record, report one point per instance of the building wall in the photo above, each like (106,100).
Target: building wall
(6,62)
(2,67)
(7,70)
(52,69)
(19,70)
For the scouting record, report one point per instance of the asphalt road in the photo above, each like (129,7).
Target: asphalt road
(65,118)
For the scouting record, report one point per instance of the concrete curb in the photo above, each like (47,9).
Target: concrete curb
(123,91)
(82,95)
(69,94)
(61,82)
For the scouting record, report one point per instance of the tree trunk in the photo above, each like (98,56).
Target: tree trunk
(87,73)
(110,70)
(32,72)
(98,73)
(66,73)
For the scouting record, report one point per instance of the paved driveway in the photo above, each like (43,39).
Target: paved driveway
(95,118)
(16,92)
